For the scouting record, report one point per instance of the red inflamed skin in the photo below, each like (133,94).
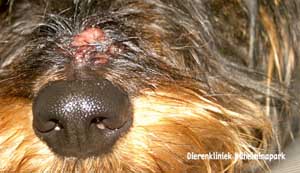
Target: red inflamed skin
(92,45)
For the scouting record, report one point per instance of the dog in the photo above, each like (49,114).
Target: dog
(147,86)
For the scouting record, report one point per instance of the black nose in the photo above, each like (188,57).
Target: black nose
(81,118)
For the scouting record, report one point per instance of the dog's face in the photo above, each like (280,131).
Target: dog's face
(134,86)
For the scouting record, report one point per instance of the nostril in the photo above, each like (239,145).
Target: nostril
(48,126)
(98,122)
(110,123)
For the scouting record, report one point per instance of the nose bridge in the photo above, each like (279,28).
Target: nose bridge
(76,114)
(78,106)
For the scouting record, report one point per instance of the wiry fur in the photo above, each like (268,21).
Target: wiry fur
(203,76)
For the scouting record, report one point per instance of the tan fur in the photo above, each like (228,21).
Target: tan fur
(166,127)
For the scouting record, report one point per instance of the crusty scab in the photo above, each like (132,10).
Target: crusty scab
(88,37)
(93,44)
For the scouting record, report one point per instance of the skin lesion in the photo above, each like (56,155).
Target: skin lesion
(93,45)
(88,36)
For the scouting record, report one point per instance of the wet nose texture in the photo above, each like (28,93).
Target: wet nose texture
(81,118)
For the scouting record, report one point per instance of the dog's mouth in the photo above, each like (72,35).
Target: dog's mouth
(81,118)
